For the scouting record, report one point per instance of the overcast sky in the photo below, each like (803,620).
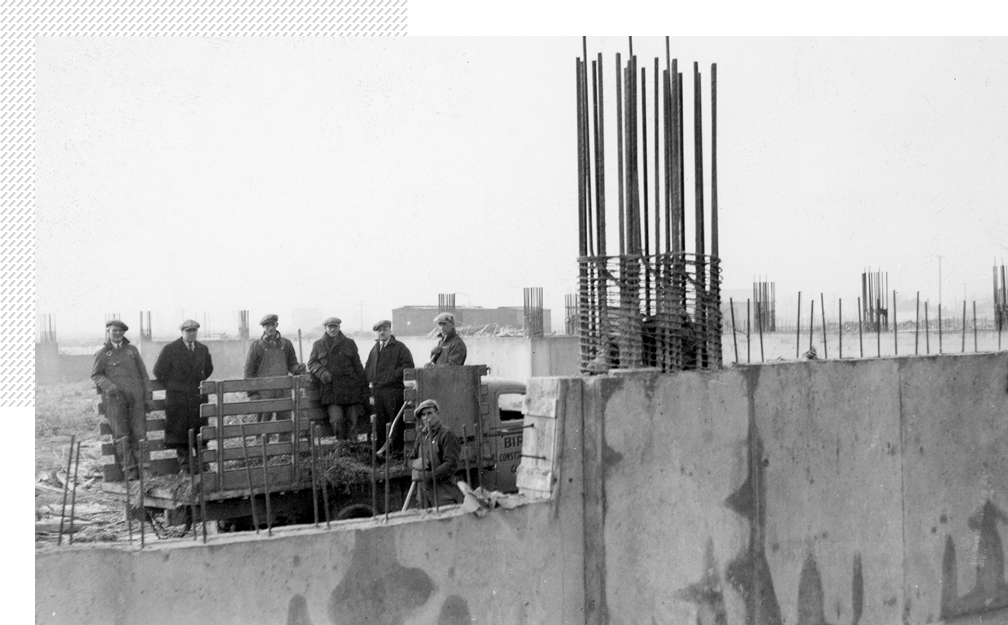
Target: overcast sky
(191,176)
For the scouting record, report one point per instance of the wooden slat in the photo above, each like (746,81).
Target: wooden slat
(153,425)
(254,452)
(164,466)
(252,406)
(156,444)
(253,429)
(280,478)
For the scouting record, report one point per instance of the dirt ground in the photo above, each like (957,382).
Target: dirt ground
(63,411)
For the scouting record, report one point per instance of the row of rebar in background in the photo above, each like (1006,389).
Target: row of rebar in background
(811,353)
(1000,299)
(653,304)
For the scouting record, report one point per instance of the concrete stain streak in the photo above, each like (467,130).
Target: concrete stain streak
(376,587)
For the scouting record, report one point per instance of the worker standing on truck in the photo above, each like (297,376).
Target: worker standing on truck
(181,366)
(435,457)
(271,356)
(450,349)
(343,391)
(384,370)
(126,392)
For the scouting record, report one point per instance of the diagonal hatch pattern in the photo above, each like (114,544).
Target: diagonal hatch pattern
(23,21)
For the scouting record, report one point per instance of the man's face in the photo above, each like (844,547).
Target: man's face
(270,329)
(383,333)
(189,335)
(430,419)
(332,330)
(116,334)
(446,326)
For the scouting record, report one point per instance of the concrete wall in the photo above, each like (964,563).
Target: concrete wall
(809,493)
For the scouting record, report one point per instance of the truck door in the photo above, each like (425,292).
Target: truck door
(504,432)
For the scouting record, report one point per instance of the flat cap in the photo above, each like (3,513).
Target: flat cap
(189,324)
(332,321)
(381,324)
(117,323)
(269,319)
(445,316)
(427,403)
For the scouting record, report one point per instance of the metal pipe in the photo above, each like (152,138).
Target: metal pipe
(619,156)
(66,487)
(917,325)
(73,495)
(714,203)
(199,463)
(248,479)
(822,307)
(433,473)
(587,135)
(840,326)
(129,514)
(748,333)
(797,349)
(927,331)
(731,305)
(699,229)
(374,465)
(143,513)
(964,328)
(600,166)
(192,482)
(465,448)
(646,223)
(860,331)
(266,490)
(388,438)
(323,484)
(811,324)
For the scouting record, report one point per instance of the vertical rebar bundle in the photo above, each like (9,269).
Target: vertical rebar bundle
(874,288)
(446,303)
(533,311)
(1000,299)
(243,324)
(765,306)
(570,314)
(654,304)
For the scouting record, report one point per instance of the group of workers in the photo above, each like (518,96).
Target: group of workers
(346,389)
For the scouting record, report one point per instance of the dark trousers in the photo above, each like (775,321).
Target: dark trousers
(280,415)
(343,420)
(128,420)
(387,402)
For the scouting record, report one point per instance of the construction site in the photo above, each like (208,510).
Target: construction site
(660,450)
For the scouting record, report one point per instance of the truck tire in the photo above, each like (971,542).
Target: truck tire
(355,511)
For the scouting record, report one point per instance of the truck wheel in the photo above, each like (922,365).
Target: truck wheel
(355,511)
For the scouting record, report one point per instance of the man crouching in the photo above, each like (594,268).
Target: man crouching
(435,458)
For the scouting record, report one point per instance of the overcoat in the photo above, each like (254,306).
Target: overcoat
(181,371)
(338,355)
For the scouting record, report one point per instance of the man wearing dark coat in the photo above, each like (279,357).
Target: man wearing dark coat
(343,391)
(126,393)
(384,369)
(435,458)
(450,349)
(181,366)
(271,356)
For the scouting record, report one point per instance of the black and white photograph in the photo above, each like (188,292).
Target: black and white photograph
(346,326)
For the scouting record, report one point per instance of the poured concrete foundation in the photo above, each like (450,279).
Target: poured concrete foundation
(868,491)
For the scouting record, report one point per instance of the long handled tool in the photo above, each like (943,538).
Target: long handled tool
(73,495)
(248,477)
(202,486)
(433,474)
(66,488)
(192,480)
(325,487)
(141,444)
(409,495)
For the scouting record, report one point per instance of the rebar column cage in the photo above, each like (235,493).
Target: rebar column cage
(649,312)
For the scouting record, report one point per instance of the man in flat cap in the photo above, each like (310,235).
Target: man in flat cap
(434,457)
(271,356)
(384,369)
(126,392)
(181,366)
(450,349)
(343,392)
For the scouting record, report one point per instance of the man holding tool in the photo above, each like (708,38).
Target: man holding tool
(384,369)
(435,458)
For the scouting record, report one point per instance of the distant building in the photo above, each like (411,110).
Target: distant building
(419,320)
